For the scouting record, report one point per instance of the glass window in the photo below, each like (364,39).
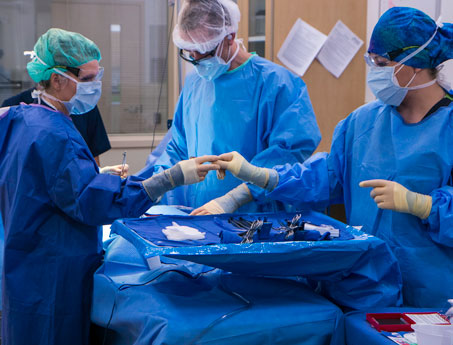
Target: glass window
(257,21)
(132,37)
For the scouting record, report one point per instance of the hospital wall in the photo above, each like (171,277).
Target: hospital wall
(22,21)
(335,98)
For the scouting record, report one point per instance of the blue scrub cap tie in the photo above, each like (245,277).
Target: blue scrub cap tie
(402,30)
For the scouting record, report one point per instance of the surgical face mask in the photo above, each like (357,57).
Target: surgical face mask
(214,67)
(384,85)
(87,94)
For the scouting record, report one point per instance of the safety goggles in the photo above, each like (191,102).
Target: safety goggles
(395,53)
(376,60)
(386,58)
(76,71)
(185,55)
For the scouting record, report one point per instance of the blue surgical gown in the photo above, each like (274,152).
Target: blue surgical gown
(260,109)
(52,200)
(375,143)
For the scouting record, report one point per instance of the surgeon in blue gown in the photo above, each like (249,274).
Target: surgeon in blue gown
(400,146)
(53,198)
(233,100)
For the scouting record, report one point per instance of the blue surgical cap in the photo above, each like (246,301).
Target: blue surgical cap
(58,47)
(401,30)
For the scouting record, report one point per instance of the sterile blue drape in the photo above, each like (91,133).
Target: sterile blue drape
(358,273)
(183,303)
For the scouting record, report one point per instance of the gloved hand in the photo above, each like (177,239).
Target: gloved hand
(228,203)
(194,170)
(239,167)
(185,172)
(115,170)
(211,207)
(391,195)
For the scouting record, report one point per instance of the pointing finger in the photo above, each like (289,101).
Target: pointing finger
(373,183)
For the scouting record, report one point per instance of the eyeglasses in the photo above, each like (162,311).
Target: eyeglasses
(186,56)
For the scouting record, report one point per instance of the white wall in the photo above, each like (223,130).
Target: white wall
(432,7)
(447,16)
(372,18)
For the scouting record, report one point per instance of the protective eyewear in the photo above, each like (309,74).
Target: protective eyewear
(395,53)
(186,56)
(386,58)
(376,60)
(76,71)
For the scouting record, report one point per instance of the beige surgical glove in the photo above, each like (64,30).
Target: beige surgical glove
(228,203)
(115,170)
(391,195)
(242,169)
(184,172)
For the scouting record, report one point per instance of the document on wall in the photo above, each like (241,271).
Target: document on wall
(339,49)
(301,47)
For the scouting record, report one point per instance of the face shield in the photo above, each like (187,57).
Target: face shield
(202,25)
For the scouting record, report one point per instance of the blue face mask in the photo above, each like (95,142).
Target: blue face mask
(87,95)
(384,85)
(214,67)
(381,82)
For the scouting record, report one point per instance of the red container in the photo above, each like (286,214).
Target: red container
(398,322)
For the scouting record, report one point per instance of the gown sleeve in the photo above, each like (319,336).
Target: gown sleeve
(287,124)
(440,220)
(318,182)
(83,194)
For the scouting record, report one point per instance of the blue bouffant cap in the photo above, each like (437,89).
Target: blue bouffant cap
(401,30)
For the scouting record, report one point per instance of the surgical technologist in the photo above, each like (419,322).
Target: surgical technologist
(53,198)
(400,145)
